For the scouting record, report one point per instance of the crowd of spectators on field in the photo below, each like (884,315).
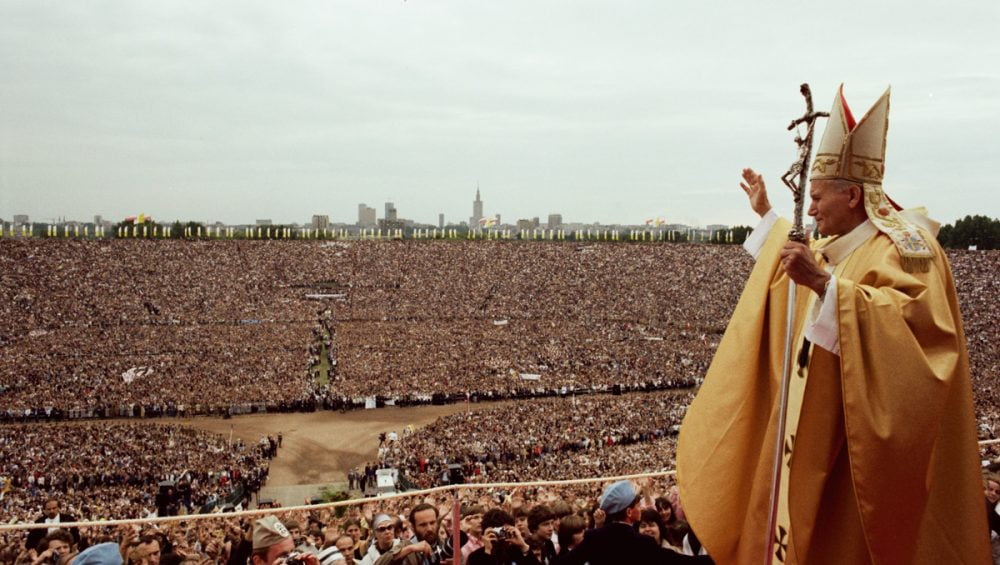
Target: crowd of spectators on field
(126,470)
(148,328)
(552,438)
(139,328)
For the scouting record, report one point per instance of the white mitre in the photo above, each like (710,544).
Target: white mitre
(855,151)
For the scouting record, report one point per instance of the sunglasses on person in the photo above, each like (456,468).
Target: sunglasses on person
(383,528)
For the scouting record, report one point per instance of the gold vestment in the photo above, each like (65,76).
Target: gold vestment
(884,466)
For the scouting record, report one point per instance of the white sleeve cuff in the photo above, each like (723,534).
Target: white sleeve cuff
(755,241)
(823,328)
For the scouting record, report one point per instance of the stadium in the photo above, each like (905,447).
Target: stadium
(131,364)
(624,349)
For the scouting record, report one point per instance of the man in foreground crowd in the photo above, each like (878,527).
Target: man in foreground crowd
(272,540)
(426,547)
(385,539)
(502,542)
(52,515)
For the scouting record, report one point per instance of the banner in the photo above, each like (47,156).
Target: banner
(136,373)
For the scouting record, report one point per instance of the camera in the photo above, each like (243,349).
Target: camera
(295,559)
(501,533)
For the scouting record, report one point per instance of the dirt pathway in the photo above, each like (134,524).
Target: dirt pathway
(321,447)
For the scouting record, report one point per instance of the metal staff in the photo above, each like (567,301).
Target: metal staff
(800,169)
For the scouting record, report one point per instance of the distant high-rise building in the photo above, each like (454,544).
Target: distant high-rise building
(98,220)
(320,222)
(555,220)
(366,216)
(390,212)
(441,221)
(20,218)
(535,222)
(477,211)
(263,222)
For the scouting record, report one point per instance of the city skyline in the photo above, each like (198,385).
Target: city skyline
(601,113)
(367,217)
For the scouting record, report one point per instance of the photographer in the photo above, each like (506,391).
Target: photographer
(273,543)
(502,542)
(425,548)
(53,547)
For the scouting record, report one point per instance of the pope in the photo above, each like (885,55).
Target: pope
(880,462)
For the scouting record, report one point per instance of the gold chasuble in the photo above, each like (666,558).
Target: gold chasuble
(880,461)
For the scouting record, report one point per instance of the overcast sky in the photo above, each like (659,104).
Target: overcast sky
(601,111)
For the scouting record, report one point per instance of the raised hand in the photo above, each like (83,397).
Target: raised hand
(599,517)
(753,185)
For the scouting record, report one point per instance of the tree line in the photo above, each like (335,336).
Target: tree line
(982,232)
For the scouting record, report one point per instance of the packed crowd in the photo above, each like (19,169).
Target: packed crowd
(139,328)
(125,470)
(978,287)
(365,532)
(544,439)
(641,521)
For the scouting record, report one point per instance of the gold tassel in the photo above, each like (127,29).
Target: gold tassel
(916,264)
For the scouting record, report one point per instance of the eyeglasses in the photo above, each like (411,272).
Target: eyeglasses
(383,528)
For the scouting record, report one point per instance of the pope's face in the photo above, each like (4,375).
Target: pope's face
(831,207)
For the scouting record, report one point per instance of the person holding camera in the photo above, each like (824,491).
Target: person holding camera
(273,543)
(426,547)
(502,542)
(53,547)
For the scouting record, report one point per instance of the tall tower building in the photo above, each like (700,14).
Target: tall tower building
(441,221)
(477,211)
(390,212)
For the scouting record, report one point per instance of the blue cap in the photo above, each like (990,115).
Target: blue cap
(617,497)
(100,554)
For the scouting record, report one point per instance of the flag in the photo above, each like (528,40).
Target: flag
(136,373)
